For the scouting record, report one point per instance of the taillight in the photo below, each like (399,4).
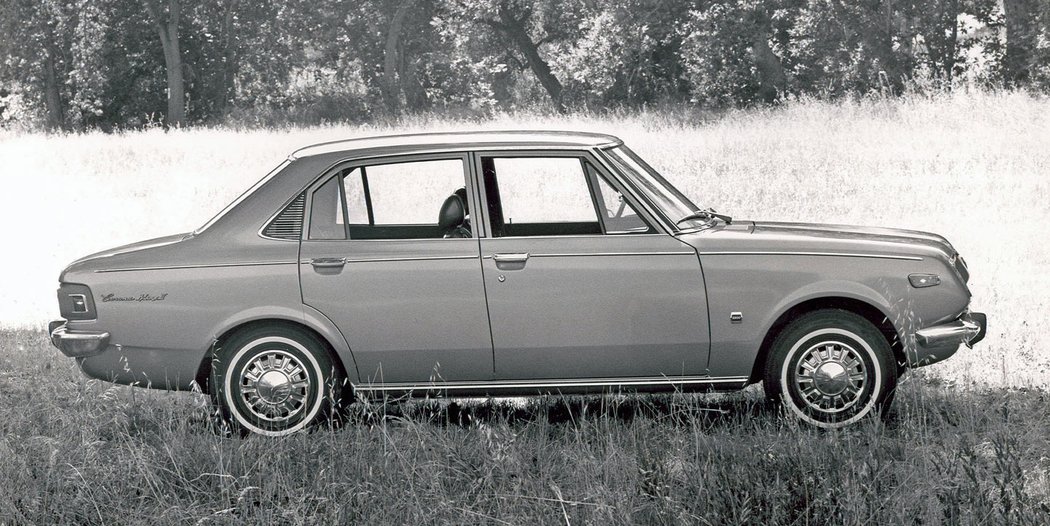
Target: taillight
(75,302)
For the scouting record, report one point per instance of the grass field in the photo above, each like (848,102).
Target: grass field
(86,452)
(967,443)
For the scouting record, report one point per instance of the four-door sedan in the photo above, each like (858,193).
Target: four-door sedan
(507,263)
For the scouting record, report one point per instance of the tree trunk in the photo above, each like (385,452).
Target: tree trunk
(515,29)
(1021,32)
(415,95)
(167,26)
(391,88)
(53,104)
(229,59)
(950,52)
(56,115)
(771,79)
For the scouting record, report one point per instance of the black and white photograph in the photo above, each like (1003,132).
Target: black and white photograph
(526,262)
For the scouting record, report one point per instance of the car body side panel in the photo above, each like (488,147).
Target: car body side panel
(412,310)
(328,330)
(763,287)
(170,315)
(597,307)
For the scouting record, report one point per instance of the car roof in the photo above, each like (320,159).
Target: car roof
(466,140)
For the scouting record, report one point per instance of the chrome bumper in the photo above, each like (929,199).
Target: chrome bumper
(79,344)
(969,329)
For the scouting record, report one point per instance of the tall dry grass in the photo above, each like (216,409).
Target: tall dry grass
(973,166)
(74,451)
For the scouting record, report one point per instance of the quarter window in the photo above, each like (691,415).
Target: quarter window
(617,213)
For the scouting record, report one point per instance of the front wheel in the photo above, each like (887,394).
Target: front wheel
(274,381)
(831,368)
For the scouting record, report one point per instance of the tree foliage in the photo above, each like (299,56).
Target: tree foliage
(113,64)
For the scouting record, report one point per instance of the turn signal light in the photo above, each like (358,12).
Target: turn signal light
(921,281)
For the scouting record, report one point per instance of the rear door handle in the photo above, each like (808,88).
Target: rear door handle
(328,262)
(510,261)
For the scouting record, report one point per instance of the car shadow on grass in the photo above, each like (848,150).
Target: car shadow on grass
(714,410)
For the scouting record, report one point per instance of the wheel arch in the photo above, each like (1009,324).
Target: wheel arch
(879,318)
(335,344)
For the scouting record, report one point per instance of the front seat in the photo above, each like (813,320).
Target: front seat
(452,219)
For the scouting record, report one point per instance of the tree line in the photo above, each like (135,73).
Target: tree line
(116,64)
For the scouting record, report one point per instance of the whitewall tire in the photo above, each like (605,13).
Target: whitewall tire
(275,381)
(831,368)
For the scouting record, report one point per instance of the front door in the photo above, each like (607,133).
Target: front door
(402,284)
(579,285)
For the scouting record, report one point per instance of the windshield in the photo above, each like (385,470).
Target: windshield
(667,199)
(242,197)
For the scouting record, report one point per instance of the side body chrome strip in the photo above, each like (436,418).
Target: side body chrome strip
(554,384)
(587,254)
(203,265)
(829,254)
(405,258)
(606,254)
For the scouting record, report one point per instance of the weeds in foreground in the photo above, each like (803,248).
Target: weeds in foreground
(79,451)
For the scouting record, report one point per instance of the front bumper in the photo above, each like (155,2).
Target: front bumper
(939,342)
(970,328)
(77,344)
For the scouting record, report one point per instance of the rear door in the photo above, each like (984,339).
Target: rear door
(579,284)
(374,260)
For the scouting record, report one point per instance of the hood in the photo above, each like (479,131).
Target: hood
(867,234)
(757,236)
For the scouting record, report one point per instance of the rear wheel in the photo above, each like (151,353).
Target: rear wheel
(275,381)
(831,368)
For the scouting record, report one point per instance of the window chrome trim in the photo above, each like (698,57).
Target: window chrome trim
(829,254)
(280,210)
(373,160)
(603,158)
(554,384)
(330,147)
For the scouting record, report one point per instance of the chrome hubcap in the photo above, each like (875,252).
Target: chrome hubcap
(830,377)
(274,386)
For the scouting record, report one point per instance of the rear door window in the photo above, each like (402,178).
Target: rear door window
(399,200)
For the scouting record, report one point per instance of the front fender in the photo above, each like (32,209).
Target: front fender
(761,288)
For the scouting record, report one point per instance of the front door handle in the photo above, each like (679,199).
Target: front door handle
(328,262)
(510,261)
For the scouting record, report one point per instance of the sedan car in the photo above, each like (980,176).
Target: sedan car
(507,263)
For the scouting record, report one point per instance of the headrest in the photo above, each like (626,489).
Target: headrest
(453,212)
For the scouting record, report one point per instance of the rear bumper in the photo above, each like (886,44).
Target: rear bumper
(939,342)
(77,344)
